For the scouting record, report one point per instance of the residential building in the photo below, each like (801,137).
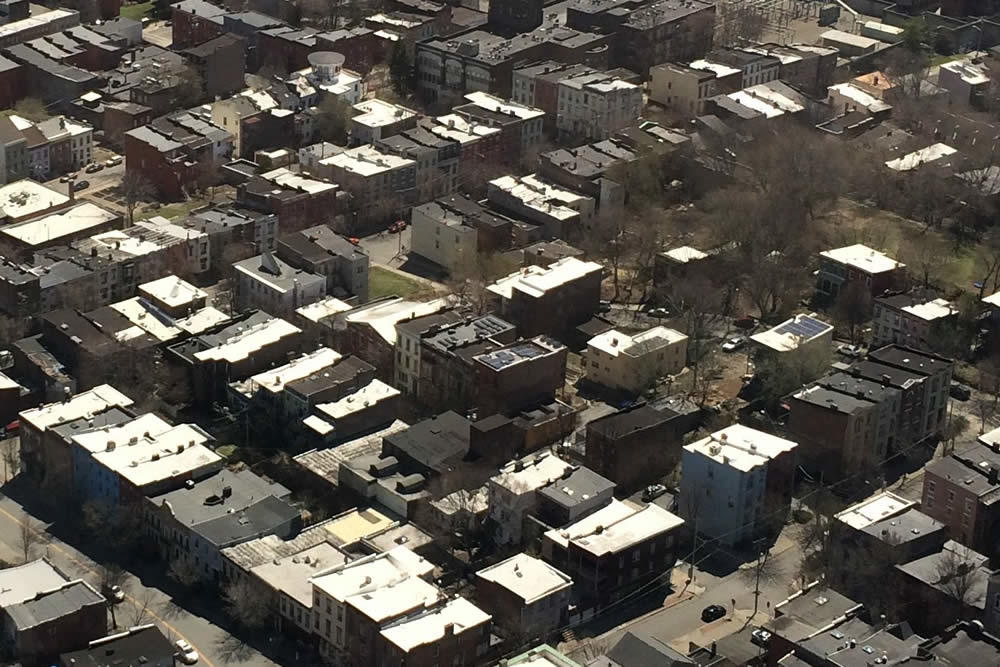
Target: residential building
(255,119)
(687,88)
(520,374)
(297,200)
(456,632)
(56,145)
(322,465)
(231,227)
(409,335)
(966,83)
(191,525)
(377,119)
(537,85)
(454,231)
(550,300)
(38,25)
(542,655)
(432,446)
(573,496)
(383,481)
(614,551)
(195,22)
(800,332)
(405,27)
(288,49)
(322,251)
(267,282)
(14,162)
(142,644)
(27,199)
(758,104)
(220,63)
(520,125)
(370,406)
(737,483)
(525,595)
(913,320)
(516,17)
(272,394)
(925,396)
(638,445)
(634,363)
(857,262)
(513,493)
(846,426)
(326,76)
(562,213)
(382,186)
(593,106)
(756,66)
(45,456)
(959,491)
(927,586)
(25,239)
(648,33)
(437,158)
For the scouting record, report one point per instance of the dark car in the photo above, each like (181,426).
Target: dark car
(712,612)
(604,307)
(81,185)
(960,391)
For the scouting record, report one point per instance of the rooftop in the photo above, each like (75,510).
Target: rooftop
(974,75)
(275,273)
(51,228)
(912,524)
(434,442)
(874,509)
(292,574)
(377,113)
(368,396)
(455,617)
(918,158)
(206,499)
(915,361)
(542,656)
(247,341)
(274,380)
(366,575)
(834,400)
(581,485)
(518,353)
(383,315)
(741,447)
(536,281)
(614,342)
(90,402)
(68,598)
(615,527)
(932,570)
(322,309)
(23,582)
(24,198)
(527,577)
(172,291)
(684,254)
(504,107)
(792,333)
(531,473)
(546,198)
(326,462)
(134,646)
(367,161)
(810,610)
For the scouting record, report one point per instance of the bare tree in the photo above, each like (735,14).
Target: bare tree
(183,572)
(245,605)
(784,372)
(138,611)
(11,458)
(985,409)
(960,577)
(135,190)
(332,120)
(853,307)
(28,536)
(763,571)
(190,88)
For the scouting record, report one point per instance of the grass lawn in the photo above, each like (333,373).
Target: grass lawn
(137,11)
(226,450)
(382,282)
(171,211)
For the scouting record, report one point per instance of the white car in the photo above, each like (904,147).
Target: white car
(114,593)
(186,652)
(734,343)
(114,162)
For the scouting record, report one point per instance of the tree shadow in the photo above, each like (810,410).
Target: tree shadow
(233,649)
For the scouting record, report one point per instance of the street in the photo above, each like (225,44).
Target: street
(383,248)
(144,603)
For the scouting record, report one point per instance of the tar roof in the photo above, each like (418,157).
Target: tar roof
(205,500)
(54,604)
(929,571)
(264,516)
(581,486)
(921,363)
(834,400)
(814,608)
(435,442)
(622,423)
(912,524)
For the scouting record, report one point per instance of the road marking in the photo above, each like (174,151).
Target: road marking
(93,572)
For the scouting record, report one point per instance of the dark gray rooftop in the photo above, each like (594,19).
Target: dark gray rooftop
(582,485)
(640,649)
(205,501)
(436,441)
(624,422)
(58,603)
(910,525)
(967,645)
(857,386)
(263,517)
(143,645)
(833,400)
(468,332)
(921,363)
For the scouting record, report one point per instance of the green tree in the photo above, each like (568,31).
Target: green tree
(401,70)
(31,108)
(916,35)
(331,120)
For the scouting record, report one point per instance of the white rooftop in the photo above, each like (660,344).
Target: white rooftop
(274,380)
(974,75)
(861,97)
(120,242)
(294,181)
(457,615)
(7,383)
(920,157)
(384,316)
(172,291)
(849,38)
(365,575)
(863,258)
(719,69)
(536,281)
(453,126)
(90,402)
(364,398)
(138,311)
(395,597)
(793,333)
(367,161)
(766,100)
(33,22)
(992,299)
(292,575)
(250,340)
(535,472)
(544,197)
(323,308)
(149,449)
(614,342)
(201,320)
(874,509)
(884,27)
(741,447)
(615,527)
(22,582)
(24,198)
(932,310)
(507,107)
(684,254)
(377,113)
(527,577)
(75,220)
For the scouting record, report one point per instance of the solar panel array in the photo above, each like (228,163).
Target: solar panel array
(804,327)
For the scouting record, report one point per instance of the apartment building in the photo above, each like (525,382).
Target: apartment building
(878,271)
(525,595)
(56,146)
(562,213)
(382,186)
(912,319)
(376,119)
(437,159)
(453,232)
(513,492)
(457,632)
(595,105)
(520,374)
(322,251)
(266,282)
(737,482)
(634,363)
(687,88)
(520,125)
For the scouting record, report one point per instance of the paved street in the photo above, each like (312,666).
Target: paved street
(383,248)
(144,604)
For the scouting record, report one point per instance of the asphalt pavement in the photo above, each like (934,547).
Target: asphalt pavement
(144,603)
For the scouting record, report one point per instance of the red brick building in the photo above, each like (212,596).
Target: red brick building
(455,633)
(520,374)
(195,22)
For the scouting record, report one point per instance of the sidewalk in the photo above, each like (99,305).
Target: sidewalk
(716,630)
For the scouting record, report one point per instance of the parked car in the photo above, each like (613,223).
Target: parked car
(94,167)
(397,226)
(604,306)
(11,430)
(760,637)
(659,313)
(712,612)
(354,239)
(734,343)
(652,492)
(186,652)
(81,185)
(66,178)
(850,350)
(113,593)
(114,162)
(959,391)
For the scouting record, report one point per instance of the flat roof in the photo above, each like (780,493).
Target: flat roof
(367,161)
(320,310)
(172,291)
(684,254)
(75,220)
(971,74)
(741,447)
(455,616)
(527,577)
(489,102)
(616,526)
(326,462)
(546,198)
(53,604)
(23,582)
(292,574)
(377,113)
(249,341)
(274,380)
(383,316)
(366,397)
(614,342)
(792,333)
(367,574)
(874,509)
(520,352)
(531,473)
(536,281)
(26,197)
(921,157)
(36,21)
(90,402)
(146,319)
(850,38)
(719,69)
(911,524)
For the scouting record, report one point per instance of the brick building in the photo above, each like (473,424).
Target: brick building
(519,374)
